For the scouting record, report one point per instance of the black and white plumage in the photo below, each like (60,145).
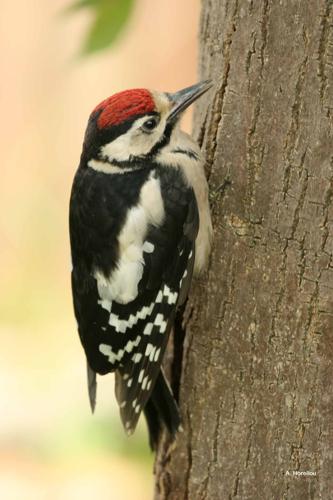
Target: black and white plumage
(136,201)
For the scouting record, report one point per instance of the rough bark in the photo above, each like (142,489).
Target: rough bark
(256,373)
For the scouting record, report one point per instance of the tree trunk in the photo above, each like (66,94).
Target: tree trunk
(256,367)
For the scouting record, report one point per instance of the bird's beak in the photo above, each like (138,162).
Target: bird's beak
(183,98)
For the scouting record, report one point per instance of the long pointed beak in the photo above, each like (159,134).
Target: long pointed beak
(183,98)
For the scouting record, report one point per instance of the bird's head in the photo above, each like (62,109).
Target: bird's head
(133,125)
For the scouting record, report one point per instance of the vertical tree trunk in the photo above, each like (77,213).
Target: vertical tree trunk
(256,374)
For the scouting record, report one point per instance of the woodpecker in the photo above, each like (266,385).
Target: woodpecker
(140,226)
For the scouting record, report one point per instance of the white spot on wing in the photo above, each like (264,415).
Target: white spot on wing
(148,329)
(148,247)
(107,351)
(172,299)
(105,304)
(137,409)
(145,311)
(159,321)
(149,348)
(163,327)
(129,346)
(120,325)
(144,382)
(137,357)
(171,296)
(132,343)
(157,354)
(151,356)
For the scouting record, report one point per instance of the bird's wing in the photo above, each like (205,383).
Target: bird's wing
(137,376)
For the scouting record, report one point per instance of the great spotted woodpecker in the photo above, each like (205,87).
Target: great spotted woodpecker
(139,226)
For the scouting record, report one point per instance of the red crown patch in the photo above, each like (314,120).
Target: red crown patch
(123,105)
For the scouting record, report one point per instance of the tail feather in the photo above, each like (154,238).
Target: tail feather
(92,387)
(160,409)
(153,424)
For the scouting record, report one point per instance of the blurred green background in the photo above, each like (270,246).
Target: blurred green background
(50,445)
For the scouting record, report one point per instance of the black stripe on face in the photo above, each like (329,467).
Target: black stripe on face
(165,139)
(188,152)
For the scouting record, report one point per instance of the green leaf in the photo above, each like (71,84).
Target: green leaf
(110,19)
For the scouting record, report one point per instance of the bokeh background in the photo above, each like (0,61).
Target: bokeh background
(50,445)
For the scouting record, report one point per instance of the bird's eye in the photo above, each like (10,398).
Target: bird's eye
(149,124)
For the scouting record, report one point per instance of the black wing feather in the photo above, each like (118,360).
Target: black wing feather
(136,381)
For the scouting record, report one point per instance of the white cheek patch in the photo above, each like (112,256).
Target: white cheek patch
(117,149)
(122,285)
(134,142)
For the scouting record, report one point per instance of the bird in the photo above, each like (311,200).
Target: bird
(140,228)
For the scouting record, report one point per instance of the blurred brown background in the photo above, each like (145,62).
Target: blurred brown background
(50,446)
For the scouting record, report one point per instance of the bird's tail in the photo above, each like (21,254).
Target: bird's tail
(161,408)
